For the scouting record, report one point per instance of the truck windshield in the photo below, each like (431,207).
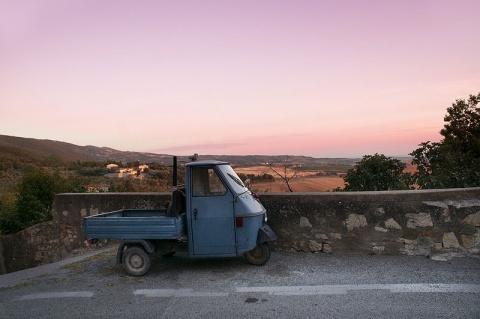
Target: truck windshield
(232,178)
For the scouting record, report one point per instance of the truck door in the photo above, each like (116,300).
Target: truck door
(212,216)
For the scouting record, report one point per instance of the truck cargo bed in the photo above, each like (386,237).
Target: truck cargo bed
(135,224)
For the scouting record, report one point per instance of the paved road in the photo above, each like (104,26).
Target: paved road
(291,285)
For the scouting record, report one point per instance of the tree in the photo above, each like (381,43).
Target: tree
(377,173)
(133,164)
(286,170)
(32,202)
(9,222)
(455,160)
(35,196)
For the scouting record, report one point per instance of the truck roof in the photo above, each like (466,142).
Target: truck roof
(204,163)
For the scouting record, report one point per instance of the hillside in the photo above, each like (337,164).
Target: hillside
(18,147)
(36,149)
(26,150)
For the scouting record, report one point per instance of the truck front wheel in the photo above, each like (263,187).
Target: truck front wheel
(136,261)
(259,255)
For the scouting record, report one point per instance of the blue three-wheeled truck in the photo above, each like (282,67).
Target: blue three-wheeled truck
(212,215)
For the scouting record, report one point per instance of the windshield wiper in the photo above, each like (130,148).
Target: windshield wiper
(236,179)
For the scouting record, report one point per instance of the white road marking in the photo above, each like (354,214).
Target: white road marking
(277,291)
(56,295)
(177,293)
(344,289)
(465,288)
(316,290)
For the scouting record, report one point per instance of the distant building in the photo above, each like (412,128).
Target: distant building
(97,189)
(126,172)
(112,167)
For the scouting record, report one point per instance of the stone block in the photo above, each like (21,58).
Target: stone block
(321,236)
(450,240)
(391,223)
(327,248)
(378,250)
(471,241)
(472,219)
(412,248)
(335,236)
(304,223)
(355,221)
(380,229)
(315,246)
(419,220)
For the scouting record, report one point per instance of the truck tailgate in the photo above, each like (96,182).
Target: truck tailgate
(134,224)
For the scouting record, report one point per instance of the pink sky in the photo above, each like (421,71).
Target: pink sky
(315,78)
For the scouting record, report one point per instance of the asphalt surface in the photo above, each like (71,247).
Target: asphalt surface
(23,276)
(290,285)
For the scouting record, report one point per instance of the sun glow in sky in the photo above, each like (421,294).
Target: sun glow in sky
(316,78)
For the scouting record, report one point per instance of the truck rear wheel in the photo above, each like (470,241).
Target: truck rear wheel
(259,255)
(136,261)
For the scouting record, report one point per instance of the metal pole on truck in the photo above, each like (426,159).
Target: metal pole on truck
(174,197)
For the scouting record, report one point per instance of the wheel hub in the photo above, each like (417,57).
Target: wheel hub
(257,251)
(136,261)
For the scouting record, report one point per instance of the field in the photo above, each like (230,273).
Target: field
(305,181)
(305,184)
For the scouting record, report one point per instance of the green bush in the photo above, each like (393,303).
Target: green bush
(378,173)
(32,201)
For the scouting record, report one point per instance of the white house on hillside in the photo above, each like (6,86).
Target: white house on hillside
(112,167)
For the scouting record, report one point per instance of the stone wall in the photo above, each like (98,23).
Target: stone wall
(63,236)
(427,222)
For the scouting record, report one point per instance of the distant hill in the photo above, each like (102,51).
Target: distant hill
(35,150)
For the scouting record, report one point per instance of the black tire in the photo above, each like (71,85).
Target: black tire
(259,255)
(136,261)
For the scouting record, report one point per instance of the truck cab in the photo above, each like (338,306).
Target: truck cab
(223,216)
